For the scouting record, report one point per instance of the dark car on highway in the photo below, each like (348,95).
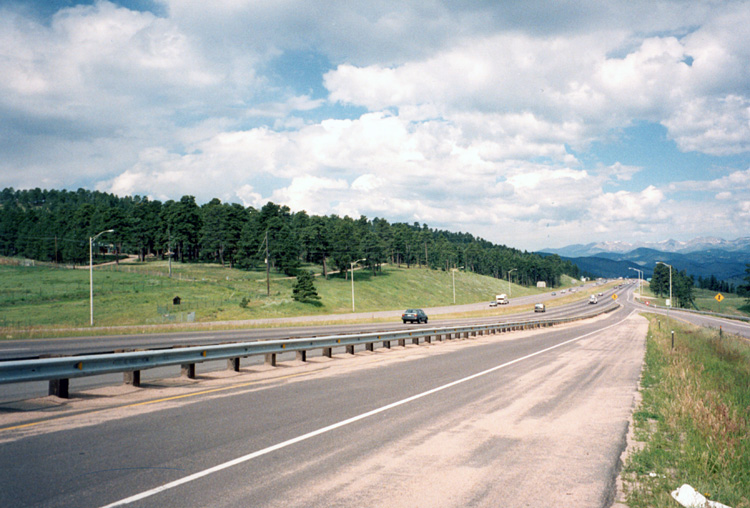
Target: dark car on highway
(414,316)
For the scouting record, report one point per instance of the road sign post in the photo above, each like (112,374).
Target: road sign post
(719,297)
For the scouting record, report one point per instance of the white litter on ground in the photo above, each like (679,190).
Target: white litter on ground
(690,498)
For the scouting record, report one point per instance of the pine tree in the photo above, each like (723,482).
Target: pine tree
(304,289)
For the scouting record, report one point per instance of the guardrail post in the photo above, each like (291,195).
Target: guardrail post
(350,349)
(327,352)
(132,378)
(302,356)
(402,342)
(387,344)
(188,370)
(271,359)
(428,339)
(370,346)
(59,388)
(233,364)
(415,341)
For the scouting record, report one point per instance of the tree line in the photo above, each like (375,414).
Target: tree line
(713,284)
(55,225)
(682,285)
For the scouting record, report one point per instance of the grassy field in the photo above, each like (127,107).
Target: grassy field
(36,299)
(731,304)
(694,419)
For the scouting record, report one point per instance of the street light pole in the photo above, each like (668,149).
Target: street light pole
(91,272)
(670,293)
(670,284)
(640,274)
(453,273)
(511,270)
(352,273)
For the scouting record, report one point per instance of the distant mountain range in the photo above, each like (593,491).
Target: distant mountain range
(702,257)
(695,245)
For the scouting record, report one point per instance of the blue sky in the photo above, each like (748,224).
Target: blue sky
(531,124)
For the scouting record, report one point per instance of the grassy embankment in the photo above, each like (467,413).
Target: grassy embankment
(694,418)
(37,300)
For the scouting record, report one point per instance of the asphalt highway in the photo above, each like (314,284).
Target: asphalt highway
(34,348)
(534,418)
(733,326)
(21,349)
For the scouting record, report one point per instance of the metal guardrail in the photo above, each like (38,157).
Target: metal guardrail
(702,312)
(58,371)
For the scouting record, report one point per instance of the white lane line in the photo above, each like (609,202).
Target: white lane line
(279,446)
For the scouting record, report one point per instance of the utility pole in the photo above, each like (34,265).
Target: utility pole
(169,249)
(268,269)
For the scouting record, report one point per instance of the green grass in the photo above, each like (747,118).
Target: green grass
(731,304)
(694,418)
(39,300)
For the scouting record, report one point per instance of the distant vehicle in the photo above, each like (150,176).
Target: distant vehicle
(554,294)
(562,292)
(601,294)
(539,307)
(414,316)
(493,303)
(502,299)
(593,299)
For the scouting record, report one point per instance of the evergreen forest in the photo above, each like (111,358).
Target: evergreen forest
(56,225)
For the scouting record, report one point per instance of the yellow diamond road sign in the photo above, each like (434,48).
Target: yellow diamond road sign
(614,297)
(719,297)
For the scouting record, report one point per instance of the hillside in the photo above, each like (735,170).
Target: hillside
(602,267)
(725,265)
(57,226)
(142,294)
